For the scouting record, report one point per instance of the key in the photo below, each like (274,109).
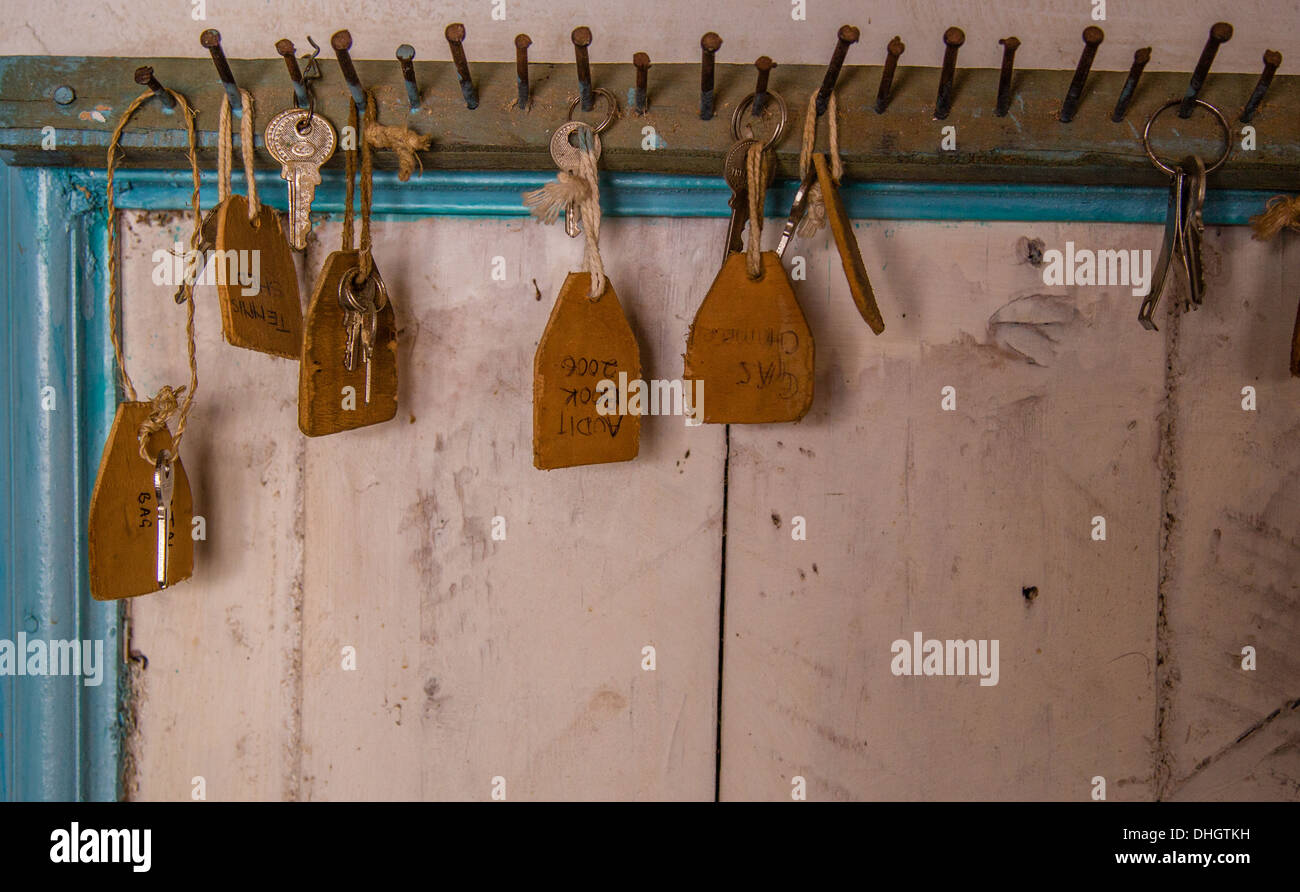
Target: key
(207,241)
(1170,250)
(797,209)
(1194,226)
(736,176)
(565,155)
(362,304)
(163,486)
(301,140)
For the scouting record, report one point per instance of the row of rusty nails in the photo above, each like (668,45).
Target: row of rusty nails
(710,43)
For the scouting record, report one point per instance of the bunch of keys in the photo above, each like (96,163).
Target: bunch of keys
(736,174)
(301,141)
(565,155)
(1184,225)
(361,305)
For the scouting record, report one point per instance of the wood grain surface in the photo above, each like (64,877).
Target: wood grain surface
(751,346)
(323,406)
(263,314)
(585,341)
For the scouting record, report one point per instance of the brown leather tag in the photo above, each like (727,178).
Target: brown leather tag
(752,347)
(331,398)
(122,538)
(585,342)
(847,244)
(263,311)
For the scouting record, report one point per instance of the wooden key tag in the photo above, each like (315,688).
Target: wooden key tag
(330,397)
(122,533)
(751,346)
(256,281)
(585,342)
(847,244)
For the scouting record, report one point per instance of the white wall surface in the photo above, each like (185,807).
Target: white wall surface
(669,30)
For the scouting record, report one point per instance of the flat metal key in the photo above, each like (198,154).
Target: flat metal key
(798,208)
(565,155)
(163,487)
(207,241)
(1170,250)
(362,304)
(735,172)
(301,140)
(1194,226)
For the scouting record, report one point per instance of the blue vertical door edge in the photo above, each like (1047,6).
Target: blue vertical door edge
(61,736)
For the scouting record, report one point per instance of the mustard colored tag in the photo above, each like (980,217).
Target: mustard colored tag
(586,342)
(751,346)
(122,533)
(256,281)
(330,397)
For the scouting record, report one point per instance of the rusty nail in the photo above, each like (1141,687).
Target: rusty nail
(953,38)
(455,34)
(1009,47)
(1272,59)
(641,62)
(522,43)
(710,43)
(341,41)
(581,38)
(1220,33)
(892,52)
(1140,60)
(144,77)
(764,64)
(847,36)
(211,39)
(406,57)
(1092,38)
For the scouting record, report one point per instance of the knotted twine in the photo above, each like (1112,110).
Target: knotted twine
(225,151)
(1281,212)
(814,218)
(168,400)
(580,187)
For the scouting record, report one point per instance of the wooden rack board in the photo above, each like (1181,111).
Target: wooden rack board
(1029,145)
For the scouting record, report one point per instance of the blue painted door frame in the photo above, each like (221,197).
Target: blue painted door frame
(59,738)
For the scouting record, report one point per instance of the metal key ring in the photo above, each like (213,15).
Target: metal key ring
(1223,122)
(744,105)
(609,117)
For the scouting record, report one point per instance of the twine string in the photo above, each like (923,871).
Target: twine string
(814,219)
(1280,212)
(756,173)
(580,187)
(168,401)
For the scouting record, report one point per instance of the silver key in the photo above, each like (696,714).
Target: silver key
(361,304)
(798,208)
(565,155)
(1194,226)
(735,173)
(163,486)
(301,140)
(1171,250)
(207,241)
